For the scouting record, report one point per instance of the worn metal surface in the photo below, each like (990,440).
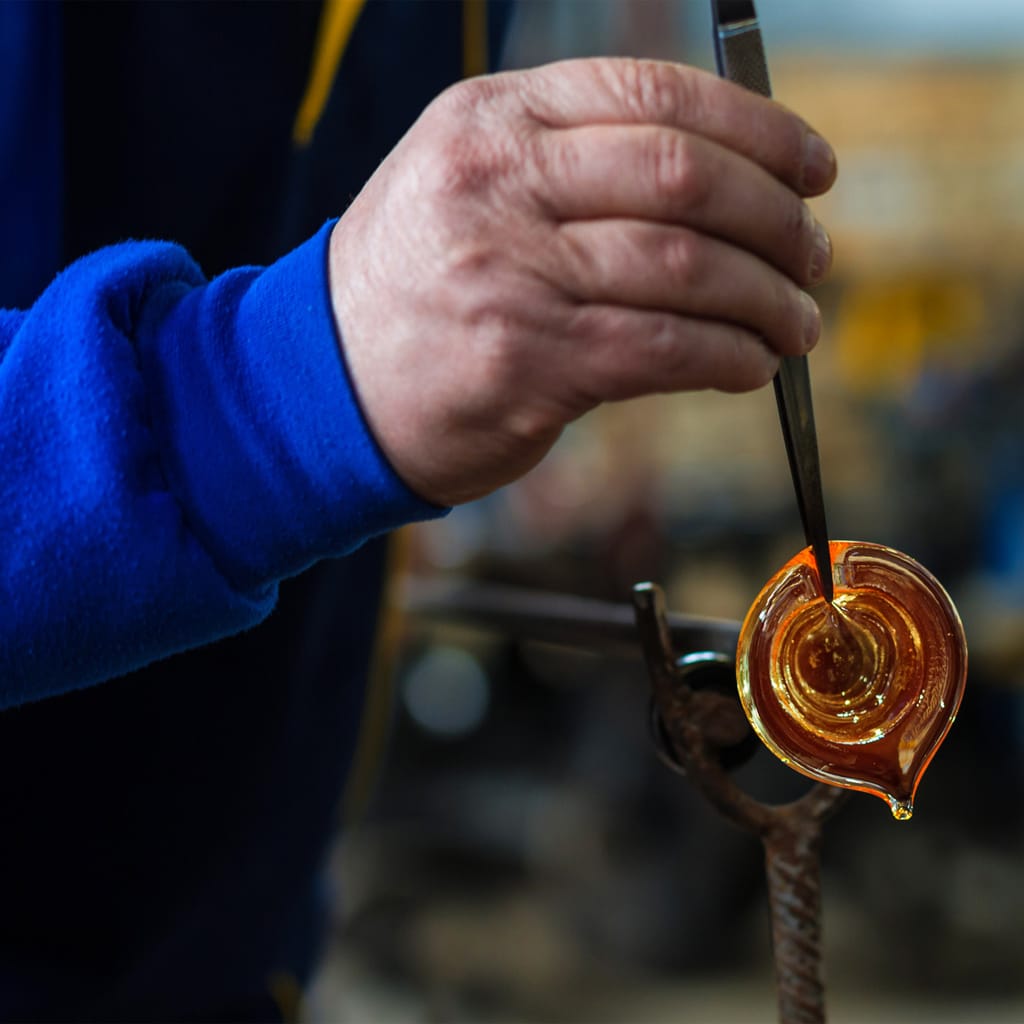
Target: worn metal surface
(792,867)
(700,725)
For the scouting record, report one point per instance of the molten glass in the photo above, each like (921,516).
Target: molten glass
(860,692)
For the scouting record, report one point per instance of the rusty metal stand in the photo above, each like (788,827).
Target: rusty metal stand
(699,725)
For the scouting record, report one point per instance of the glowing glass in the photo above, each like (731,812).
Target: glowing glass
(861,692)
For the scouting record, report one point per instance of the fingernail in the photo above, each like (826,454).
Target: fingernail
(819,163)
(821,254)
(812,321)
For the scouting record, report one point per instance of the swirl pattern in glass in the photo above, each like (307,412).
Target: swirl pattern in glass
(860,692)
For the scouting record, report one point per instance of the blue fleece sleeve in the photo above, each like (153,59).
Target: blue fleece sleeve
(171,449)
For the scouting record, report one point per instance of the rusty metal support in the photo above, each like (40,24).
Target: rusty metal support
(793,870)
(700,724)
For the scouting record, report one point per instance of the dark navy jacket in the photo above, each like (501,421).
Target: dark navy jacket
(179,437)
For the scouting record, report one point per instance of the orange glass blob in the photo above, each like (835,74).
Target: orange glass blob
(860,692)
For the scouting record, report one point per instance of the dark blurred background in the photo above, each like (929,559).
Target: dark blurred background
(523,855)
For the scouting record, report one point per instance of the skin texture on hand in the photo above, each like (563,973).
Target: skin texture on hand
(544,241)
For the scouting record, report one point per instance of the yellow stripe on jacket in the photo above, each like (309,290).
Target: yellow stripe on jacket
(336,24)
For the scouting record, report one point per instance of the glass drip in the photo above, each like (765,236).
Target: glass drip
(860,692)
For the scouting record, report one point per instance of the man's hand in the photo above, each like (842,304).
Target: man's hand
(543,241)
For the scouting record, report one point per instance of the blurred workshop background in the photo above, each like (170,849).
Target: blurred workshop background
(523,855)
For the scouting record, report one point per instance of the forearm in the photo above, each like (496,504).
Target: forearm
(172,449)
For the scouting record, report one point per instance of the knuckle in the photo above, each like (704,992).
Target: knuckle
(652,90)
(581,267)
(751,364)
(466,266)
(603,374)
(532,425)
(508,386)
(545,161)
(677,172)
(465,99)
(682,258)
(762,369)
(785,317)
(777,318)
(465,159)
(463,166)
(798,232)
(497,342)
(668,352)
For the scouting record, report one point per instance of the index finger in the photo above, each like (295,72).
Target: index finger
(621,90)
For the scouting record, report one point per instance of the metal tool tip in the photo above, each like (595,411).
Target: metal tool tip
(824,568)
(731,11)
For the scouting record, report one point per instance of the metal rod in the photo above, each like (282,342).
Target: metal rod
(793,871)
(739,54)
(555,618)
(790,833)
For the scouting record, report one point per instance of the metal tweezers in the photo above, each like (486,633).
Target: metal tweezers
(739,53)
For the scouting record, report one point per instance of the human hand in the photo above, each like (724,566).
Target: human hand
(544,241)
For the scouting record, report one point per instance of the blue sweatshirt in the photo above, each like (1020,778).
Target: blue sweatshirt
(172,449)
(178,446)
